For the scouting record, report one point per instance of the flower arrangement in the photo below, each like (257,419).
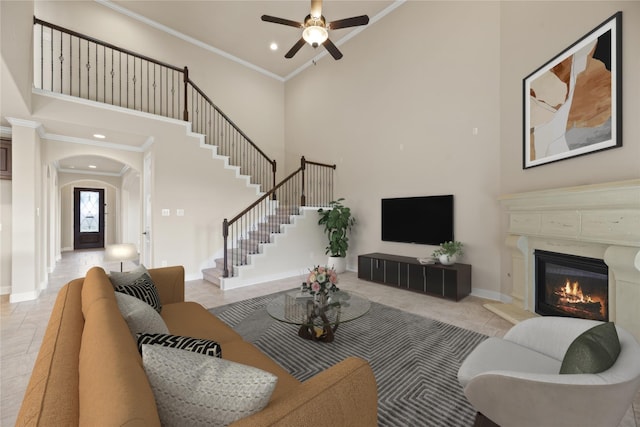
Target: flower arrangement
(321,281)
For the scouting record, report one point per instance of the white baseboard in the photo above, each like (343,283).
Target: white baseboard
(23,296)
(492,295)
(5,290)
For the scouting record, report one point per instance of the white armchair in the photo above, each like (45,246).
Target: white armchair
(515,380)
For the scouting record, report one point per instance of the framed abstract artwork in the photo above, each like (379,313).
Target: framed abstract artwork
(573,103)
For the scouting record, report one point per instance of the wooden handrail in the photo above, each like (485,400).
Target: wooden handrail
(167,104)
(105,44)
(202,94)
(250,212)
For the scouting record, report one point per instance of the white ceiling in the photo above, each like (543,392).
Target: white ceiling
(230,28)
(235,27)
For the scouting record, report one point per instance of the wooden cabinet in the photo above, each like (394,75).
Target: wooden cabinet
(447,281)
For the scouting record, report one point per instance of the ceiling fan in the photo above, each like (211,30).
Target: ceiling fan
(316,30)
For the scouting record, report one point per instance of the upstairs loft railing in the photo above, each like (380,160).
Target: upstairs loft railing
(310,185)
(74,64)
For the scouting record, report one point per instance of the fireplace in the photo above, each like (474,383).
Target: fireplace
(572,286)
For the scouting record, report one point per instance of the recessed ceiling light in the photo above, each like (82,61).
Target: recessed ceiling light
(273,46)
(92,166)
(99,136)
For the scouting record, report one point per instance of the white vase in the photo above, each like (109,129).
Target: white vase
(339,264)
(447,260)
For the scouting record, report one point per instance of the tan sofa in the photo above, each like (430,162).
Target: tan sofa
(89,371)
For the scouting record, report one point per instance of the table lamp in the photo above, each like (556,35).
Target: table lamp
(120,252)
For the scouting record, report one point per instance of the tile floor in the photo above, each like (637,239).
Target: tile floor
(23,324)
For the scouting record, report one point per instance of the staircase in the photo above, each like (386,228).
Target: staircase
(108,74)
(253,243)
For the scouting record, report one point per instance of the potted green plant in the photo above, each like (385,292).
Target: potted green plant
(448,252)
(337,221)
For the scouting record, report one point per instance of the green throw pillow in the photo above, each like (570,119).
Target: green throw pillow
(595,350)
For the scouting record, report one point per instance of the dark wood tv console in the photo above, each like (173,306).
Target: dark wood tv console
(447,281)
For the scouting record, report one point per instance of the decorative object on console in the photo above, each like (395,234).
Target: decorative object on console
(449,252)
(573,103)
(337,221)
(121,252)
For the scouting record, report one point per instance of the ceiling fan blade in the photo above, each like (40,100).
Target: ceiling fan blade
(333,49)
(349,22)
(296,47)
(282,21)
(316,8)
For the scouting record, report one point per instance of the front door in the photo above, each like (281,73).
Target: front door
(88,218)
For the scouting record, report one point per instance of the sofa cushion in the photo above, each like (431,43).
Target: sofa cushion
(140,316)
(144,289)
(495,354)
(196,345)
(193,320)
(593,351)
(192,389)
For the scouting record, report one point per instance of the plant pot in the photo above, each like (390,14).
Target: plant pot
(339,264)
(447,259)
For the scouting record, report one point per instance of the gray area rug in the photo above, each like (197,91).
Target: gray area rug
(415,359)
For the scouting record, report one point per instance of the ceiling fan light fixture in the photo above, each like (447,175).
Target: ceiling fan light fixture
(315,35)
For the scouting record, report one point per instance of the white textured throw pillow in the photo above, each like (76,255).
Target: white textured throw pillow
(196,390)
(119,278)
(140,316)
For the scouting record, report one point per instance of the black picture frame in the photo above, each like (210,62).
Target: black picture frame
(572,105)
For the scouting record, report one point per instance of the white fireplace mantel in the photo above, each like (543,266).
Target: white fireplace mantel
(598,221)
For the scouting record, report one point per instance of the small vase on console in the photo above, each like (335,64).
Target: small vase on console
(448,252)
(447,259)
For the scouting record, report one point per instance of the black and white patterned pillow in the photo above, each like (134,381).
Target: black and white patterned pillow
(144,289)
(195,345)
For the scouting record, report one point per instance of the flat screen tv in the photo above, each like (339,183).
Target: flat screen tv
(424,220)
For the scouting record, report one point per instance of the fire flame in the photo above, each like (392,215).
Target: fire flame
(573,293)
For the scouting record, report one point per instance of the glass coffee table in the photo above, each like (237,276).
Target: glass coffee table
(317,323)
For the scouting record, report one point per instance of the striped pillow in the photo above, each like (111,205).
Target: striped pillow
(144,289)
(195,345)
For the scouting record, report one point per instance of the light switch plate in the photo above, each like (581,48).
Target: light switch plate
(166,212)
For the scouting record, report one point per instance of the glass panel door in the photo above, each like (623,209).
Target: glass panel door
(88,218)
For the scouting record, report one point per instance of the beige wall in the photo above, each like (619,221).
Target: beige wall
(397,115)
(532,34)
(15,39)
